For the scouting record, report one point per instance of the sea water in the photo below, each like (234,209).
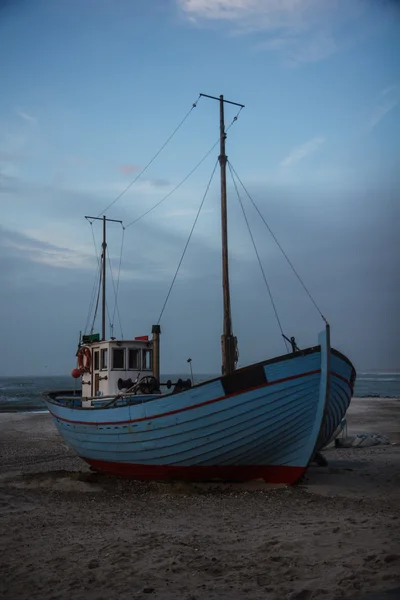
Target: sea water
(23,393)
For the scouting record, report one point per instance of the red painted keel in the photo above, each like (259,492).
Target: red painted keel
(269,473)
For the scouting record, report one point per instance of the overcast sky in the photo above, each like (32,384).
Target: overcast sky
(91,89)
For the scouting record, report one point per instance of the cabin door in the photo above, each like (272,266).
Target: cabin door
(96,383)
(96,374)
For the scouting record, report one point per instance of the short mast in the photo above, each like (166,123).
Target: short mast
(103,270)
(228,341)
(103,292)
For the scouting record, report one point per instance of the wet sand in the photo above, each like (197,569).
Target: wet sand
(67,533)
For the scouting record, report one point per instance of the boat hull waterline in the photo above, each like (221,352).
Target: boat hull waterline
(265,421)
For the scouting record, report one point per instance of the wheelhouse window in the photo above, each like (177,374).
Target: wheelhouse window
(96,361)
(118,361)
(147,360)
(104,358)
(134,359)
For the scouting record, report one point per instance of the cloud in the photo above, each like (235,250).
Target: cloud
(302,31)
(8,169)
(14,145)
(300,152)
(65,235)
(142,191)
(77,162)
(186,212)
(8,183)
(6,156)
(157,182)
(255,14)
(388,99)
(20,245)
(27,117)
(319,47)
(128,169)
(299,49)
(364,263)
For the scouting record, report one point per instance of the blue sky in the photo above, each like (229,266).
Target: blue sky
(91,89)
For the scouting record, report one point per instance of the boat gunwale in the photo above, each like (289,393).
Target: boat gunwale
(47,396)
(177,410)
(270,361)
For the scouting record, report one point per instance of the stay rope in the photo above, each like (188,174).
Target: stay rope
(116,307)
(96,282)
(175,131)
(258,257)
(185,178)
(187,243)
(278,244)
(100,277)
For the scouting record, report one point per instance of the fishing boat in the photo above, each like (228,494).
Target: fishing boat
(265,420)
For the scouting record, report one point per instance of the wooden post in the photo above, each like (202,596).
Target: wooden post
(156,330)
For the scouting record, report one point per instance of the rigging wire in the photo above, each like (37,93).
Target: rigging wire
(100,280)
(97,303)
(99,275)
(99,288)
(154,157)
(279,245)
(258,258)
(187,176)
(175,188)
(96,278)
(118,279)
(187,243)
(116,307)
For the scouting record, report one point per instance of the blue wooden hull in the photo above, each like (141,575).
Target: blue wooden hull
(265,421)
(341,391)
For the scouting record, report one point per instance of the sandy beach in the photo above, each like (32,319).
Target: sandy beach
(67,533)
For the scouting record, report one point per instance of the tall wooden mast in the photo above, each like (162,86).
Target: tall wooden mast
(228,341)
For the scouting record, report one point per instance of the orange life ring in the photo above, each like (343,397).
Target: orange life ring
(84,359)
